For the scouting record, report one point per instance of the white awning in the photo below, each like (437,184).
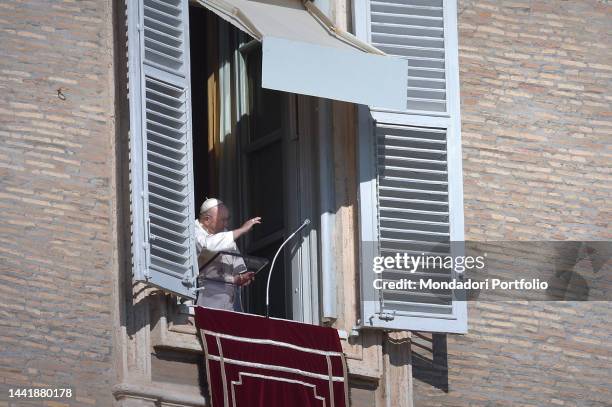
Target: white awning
(304,53)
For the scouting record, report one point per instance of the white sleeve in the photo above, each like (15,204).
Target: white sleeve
(214,243)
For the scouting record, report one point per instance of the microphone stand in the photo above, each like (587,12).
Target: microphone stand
(302,226)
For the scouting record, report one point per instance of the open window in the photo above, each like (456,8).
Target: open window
(265,131)
(243,136)
(216,94)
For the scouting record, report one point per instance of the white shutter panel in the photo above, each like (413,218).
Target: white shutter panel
(414,217)
(411,194)
(411,203)
(413,30)
(160,142)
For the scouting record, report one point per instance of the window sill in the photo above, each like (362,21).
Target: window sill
(155,394)
(175,328)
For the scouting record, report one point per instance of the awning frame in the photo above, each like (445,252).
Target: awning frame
(305,53)
(313,10)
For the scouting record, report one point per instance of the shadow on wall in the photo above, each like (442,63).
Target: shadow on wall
(569,283)
(430,359)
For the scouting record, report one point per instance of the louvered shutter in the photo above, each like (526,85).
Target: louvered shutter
(412,30)
(411,195)
(161,182)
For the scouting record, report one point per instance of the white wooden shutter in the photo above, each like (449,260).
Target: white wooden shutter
(413,215)
(413,30)
(160,145)
(411,194)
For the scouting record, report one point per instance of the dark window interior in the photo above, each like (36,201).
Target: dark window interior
(263,157)
(262,167)
(199,112)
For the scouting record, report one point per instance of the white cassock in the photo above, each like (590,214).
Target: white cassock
(218,277)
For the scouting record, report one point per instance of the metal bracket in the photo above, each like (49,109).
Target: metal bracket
(147,242)
(385,316)
(188,280)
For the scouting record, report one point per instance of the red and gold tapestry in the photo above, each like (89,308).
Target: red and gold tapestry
(253,361)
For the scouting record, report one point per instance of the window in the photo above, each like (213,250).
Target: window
(411,195)
(205,124)
(263,142)
(209,129)
(275,173)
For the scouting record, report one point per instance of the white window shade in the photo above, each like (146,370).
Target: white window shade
(303,53)
(160,145)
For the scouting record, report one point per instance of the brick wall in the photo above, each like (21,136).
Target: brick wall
(56,194)
(536,128)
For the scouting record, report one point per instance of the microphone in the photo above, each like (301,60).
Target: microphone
(302,226)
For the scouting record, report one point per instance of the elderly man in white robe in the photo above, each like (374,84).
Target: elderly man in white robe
(220,278)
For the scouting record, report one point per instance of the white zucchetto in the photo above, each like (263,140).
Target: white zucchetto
(209,204)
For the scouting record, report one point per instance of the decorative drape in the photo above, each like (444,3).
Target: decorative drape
(265,362)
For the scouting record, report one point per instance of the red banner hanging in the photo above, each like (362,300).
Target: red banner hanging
(253,361)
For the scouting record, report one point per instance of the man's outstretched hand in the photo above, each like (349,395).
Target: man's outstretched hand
(246,227)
